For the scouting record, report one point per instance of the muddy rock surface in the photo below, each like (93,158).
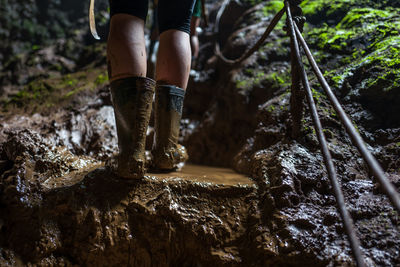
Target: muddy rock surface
(94,218)
(60,205)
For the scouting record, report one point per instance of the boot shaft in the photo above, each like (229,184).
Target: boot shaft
(132,100)
(168,114)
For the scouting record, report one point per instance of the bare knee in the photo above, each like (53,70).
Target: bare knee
(126,54)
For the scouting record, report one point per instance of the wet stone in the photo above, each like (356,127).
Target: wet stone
(55,201)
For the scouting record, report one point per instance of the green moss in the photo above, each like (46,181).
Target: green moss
(387,52)
(386,59)
(101,79)
(314,10)
(251,2)
(272,7)
(256,78)
(35,90)
(332,39)
(330,8)
(338,77)
(360,32)
(278,79)
(271,108)
(356,127)
(385,79)
(395,146)
(317,95)
(44,93)
(360,16)
(69,81)
(242,84)
(72,92)
(328,133)
(358,42)
(279,46)
(311,7)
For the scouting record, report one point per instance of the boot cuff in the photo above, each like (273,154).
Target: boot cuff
(140,83)
(145,83)
(170,90)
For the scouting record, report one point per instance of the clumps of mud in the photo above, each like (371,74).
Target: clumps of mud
(60,208)
(297,187)
(95,218)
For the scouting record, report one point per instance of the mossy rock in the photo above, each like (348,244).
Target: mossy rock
(44,93)
(374,80)
(360,28)
(333,11)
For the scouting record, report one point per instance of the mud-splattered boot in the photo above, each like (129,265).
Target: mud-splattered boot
(167,153)
(132,100)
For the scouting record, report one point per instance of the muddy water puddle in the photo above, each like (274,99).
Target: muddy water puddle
(190,172)
(206,174)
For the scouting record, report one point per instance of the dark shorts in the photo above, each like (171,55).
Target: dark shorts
(172,14)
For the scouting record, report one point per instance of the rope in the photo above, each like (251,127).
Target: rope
(294,27)
(256,46)
(347,221)
(377,170)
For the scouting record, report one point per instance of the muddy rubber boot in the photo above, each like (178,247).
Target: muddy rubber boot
(167,153)
(132,100)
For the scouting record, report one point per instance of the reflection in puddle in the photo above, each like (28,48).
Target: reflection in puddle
(199,173)
(190,172)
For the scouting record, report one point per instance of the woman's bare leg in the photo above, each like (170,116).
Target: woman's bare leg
(174,56)
(126,50)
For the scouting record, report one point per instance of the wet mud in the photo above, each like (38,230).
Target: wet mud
(83,214)
(60,205)
(58,208)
